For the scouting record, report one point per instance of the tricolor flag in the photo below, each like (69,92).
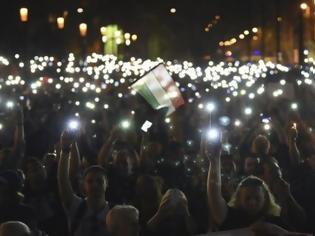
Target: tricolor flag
(159,89)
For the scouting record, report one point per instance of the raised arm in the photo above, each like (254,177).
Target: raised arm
(102,157)
(19,141)
(65,189)
(75,161)
(217,204)
(294,154)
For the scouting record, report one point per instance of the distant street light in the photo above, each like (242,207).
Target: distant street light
(24,14)
(60,22)
(83,29)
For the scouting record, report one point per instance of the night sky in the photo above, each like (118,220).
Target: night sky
(184,30)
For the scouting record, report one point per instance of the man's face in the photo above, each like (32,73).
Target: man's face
(95,184)
(250,165)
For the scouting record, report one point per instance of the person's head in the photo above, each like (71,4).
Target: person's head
(251,165)
(35,173)
(261,145)
(254,197)
(176,200)
(122,163)
(95,182)
(123,220)
(14,228)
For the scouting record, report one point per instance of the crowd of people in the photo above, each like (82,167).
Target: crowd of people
(109,177)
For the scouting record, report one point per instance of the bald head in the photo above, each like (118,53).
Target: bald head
(14,228)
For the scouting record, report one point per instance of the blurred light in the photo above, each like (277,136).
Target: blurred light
(60,22)
(248,111)
(125,124)
(173,10)
(294,106)
(210,107)
(303,6)
(167,120)
(73,124)
(255,30)
(10,104)
(83,29)
(267,127)
(213,134)
(103,30)
(241,36)
(134,37)
(24,14)
(237,123)
(246,32)
(80,10)
(224,121)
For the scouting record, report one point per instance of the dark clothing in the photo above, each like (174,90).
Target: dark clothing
(237,218)
(18,212)
(302,181)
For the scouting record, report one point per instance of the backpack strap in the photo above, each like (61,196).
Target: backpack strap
(77,217)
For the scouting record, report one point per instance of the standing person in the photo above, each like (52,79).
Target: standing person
(85,216)
(251,202)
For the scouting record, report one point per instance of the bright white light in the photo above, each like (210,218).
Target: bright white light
(146,125)
(210,107)
(173,10)
(282,82)
(237,123)
(1,126)
(10,104)
(106,106)
(125,124)
(248,111)
(294,106)
(167,120)
(267,127)
(73,124)
(213,134)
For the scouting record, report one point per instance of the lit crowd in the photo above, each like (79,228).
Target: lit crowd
(84,154)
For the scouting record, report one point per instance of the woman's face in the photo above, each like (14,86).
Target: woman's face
(252,199)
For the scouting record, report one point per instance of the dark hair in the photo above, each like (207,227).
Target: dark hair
(95,168)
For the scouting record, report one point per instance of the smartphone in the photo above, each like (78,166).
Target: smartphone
(146,126)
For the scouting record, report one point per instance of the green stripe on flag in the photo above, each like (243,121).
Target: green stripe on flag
(145,92)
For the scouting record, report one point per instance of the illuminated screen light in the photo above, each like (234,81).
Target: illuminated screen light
(294,106)
(210,107)
(125,124)
(10,104)
(213,134)
(248,111)
(73,124)
(237,123)
(173,10)
(267,126)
